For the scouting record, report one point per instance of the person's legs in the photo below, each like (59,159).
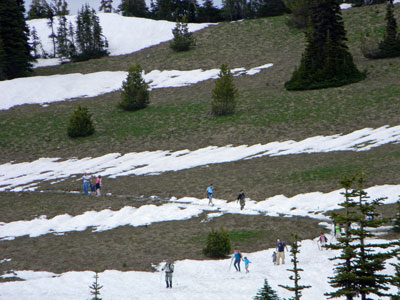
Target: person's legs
(278,257)
(234,264)
(86,188)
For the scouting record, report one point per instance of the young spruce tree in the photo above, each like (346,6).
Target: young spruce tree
(390,46)
(326,61)
(135,91)
(266,293)
(297,288)
(218,244)
(183,39)
(224,93)
(96,287)
(80,123)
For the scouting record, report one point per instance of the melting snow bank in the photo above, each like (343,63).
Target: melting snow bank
(308,205)
(124,34)
(196,280)
(25,176)
(54,88)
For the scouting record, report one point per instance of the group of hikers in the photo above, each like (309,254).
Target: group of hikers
(241,198)
(277,257)
(91,184)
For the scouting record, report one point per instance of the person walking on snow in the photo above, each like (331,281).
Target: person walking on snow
(246,264)
(274,257)
(210,193)
(323,240)
(241,199)
(280,247)
(237,256)
(169,269)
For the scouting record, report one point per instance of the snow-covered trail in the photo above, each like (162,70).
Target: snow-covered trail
(311,205)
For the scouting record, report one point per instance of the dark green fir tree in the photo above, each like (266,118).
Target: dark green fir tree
(14,34)
(135,91)
(63,43)
(297,287)
(326,61)
(2,61)
(395,280)
(208,13)
(96,287)
(390,46)
(133,8)
(300,13)
(106,6)
(218,244)
(224,93)
(396,225)
(183,39)
(266,293)
(80,123)
(90,42)
(38,9)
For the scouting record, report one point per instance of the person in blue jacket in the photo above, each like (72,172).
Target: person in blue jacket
(210,193)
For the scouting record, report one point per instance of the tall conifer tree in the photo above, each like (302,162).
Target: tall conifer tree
(326,61)
(106,6)
(38,9)
(14,33)
(133,8)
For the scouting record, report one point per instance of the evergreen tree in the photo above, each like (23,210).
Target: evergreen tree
(63,43)
(135,93)
(183,39)
(133,8)
(300,13)
(395,280)
(35,44)
(59,7)
(208,13)
(297,288)
(14,33)
(269,8)
(218,244)
(80,123)
(396,226)
(38,9)
(90,42)
(96,287)
(50,23)
(345,278)
(369,264)
(106,6)
(2,61)
(266,293)
(360,273)
(224,93)
(326,61)
(235,9)
(390,46)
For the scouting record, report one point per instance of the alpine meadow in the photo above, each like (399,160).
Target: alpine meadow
(300,156)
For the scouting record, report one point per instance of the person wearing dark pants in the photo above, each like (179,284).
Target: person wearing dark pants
(169,269)
(237,256)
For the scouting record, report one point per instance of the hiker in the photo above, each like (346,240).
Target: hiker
(86,179)
(237,256)
(323,240)
(280,247)
(210,192)
(241,199)
(274,257)
(246,264)
(92,185)
(169,269)
(337,231)
(98,185)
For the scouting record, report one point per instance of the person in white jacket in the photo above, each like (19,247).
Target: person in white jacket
(169,269)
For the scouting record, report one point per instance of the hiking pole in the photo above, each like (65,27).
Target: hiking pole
(230,264)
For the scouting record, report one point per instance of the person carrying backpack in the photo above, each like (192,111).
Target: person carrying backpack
(169,269)
(241,199)
(210,193)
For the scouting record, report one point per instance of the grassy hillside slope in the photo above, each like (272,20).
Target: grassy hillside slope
(179,118)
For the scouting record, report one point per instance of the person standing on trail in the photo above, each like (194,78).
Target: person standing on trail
(98,185)
(86,179)
(169,269)
(237,256)
(323,240)
(280,247)
(241,199)
(210,193)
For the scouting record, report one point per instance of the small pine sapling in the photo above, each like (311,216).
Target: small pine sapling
(80,123)
(266,293)
(183,39)
(224,93)
(297,288)
(135,93)
(218,244)
(96,287)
